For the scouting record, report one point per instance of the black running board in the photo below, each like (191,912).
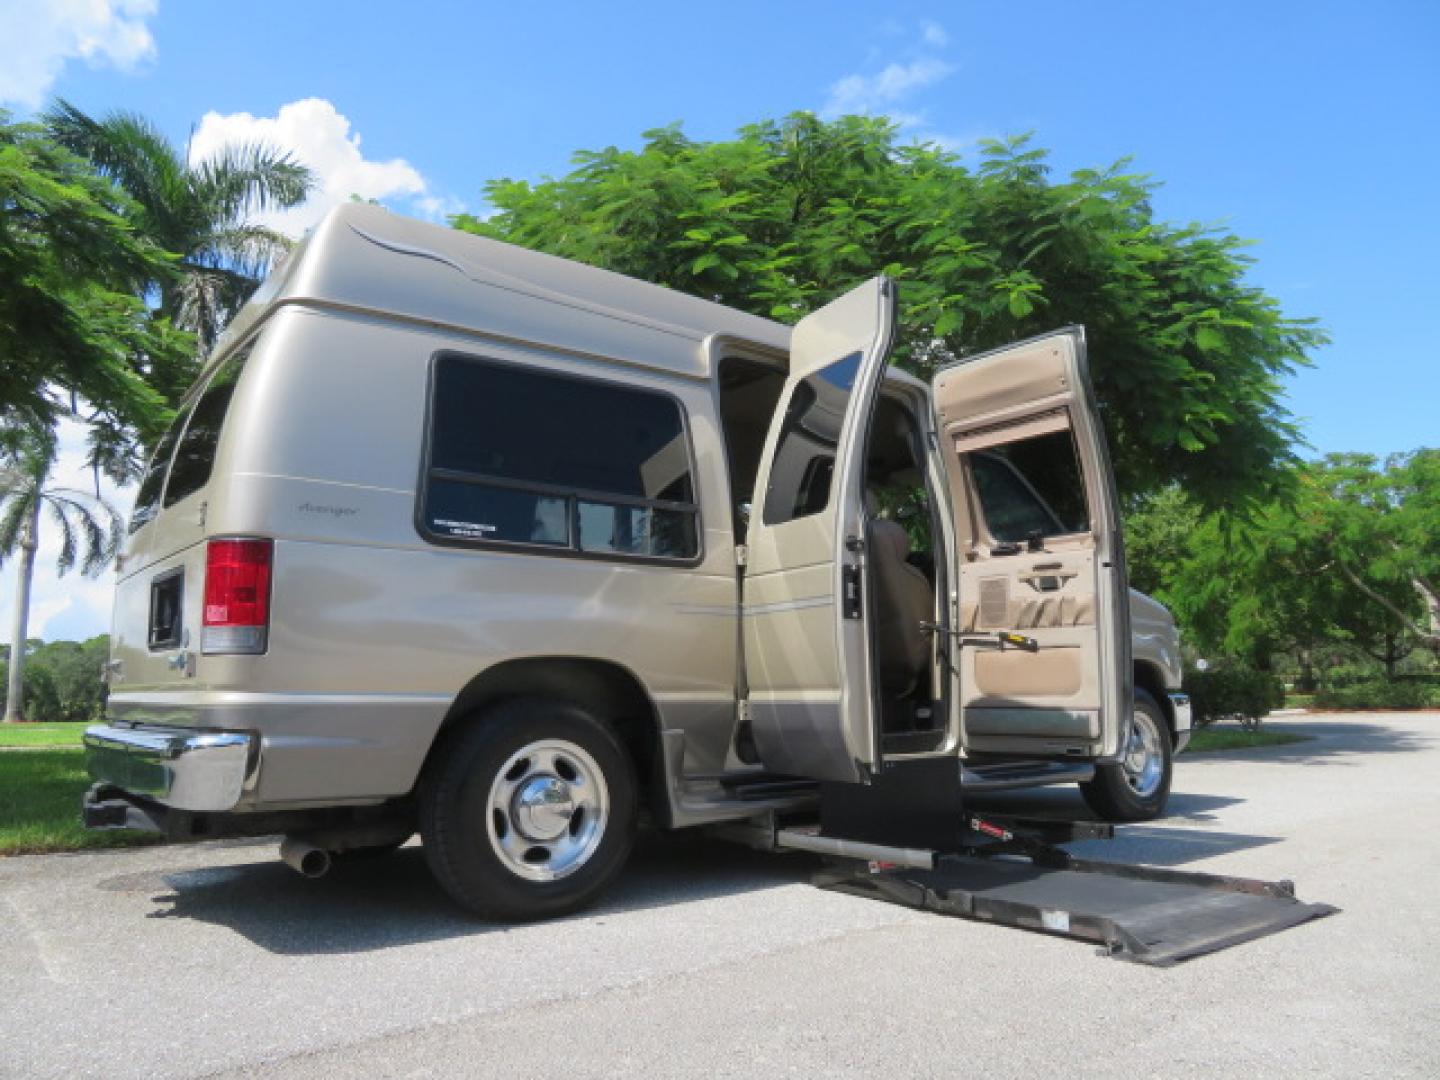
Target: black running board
(1144,914)
(1027,774)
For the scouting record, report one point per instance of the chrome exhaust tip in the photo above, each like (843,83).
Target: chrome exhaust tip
(304,857)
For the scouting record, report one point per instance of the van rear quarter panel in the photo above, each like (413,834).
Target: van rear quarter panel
(322,451)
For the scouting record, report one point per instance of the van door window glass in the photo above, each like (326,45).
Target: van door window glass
(635,530)
(1031,486)
(195,456)
(522,456)
(804,461)
(480,512)
(147,499)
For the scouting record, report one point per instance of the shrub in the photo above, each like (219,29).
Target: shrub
(1234,693)
(1379,694)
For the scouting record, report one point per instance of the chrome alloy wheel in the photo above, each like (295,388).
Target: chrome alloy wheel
(547,810)
(1144,760)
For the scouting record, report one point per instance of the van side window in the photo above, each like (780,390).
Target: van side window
(147,499)
(1031,486)
(804,461)
(522,456)
(195,456)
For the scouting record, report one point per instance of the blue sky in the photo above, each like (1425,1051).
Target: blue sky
(1310,128)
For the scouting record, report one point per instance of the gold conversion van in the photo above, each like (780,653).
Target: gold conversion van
(456,537)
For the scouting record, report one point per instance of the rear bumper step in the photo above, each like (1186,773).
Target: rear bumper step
(201,771)
(107,807)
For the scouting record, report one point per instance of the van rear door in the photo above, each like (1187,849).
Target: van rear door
(807,649)
(156,623)
(1040,551)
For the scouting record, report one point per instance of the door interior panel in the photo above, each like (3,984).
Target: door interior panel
(1047,701)
(1034,519)
(1020,593)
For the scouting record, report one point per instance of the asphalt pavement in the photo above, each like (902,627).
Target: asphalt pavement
(715,961)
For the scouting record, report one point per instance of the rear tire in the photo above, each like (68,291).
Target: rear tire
(528,811)
(1136,787)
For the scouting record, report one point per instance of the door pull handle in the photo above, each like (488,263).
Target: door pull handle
(1050,582)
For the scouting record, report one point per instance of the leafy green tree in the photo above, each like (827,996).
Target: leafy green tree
(1381,522)
(1247,588)
(63,680)
(41,698)
(1350,555)
(199,210)
(1158,532)
(78,668)
(72,323)
(90,533)
(1187,356)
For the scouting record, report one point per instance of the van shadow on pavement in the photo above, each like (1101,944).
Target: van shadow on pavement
(393,901)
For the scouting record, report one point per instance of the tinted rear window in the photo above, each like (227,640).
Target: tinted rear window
(195,455)
(534,457)
(147,499)
(535,427)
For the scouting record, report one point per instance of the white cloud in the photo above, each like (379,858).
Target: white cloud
(438,208)
(74,606)
(892,90)
(320,136)
(38,38)
(877,93)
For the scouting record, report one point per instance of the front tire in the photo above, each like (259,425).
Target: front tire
(529,811)
(1136,787)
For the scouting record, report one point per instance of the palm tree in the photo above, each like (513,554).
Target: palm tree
(200,211)
(90,533)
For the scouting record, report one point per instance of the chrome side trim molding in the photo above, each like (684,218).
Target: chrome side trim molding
(217,698)
(789,605)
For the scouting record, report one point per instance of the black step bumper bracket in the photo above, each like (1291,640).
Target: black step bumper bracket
(108,807)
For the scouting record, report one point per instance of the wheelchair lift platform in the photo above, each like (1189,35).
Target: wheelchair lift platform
(918,847)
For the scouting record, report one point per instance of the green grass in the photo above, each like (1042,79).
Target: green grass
(1230,738)
(41,734)
(40,804)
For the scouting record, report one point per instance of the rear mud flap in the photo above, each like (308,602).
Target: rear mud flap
(1144,914)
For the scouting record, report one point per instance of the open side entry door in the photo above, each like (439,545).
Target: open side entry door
(807,648)
(1040,552)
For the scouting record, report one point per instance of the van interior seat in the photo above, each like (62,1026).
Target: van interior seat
(904,602)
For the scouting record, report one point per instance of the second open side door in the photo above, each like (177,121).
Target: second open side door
(1040,552)
(807,648)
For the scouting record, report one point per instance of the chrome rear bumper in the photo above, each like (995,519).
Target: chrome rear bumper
(199,771)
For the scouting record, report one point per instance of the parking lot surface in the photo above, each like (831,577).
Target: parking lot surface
(714,961)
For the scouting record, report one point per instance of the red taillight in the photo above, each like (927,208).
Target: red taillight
(237,596)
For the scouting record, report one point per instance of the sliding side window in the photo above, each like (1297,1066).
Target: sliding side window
(555,462)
